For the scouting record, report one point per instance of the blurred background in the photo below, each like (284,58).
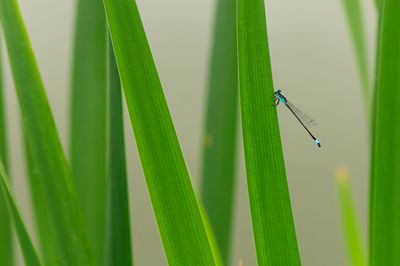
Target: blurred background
(312,62)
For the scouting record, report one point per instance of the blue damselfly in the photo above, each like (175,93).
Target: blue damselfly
(304,119)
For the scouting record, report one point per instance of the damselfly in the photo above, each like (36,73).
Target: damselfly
(304,119)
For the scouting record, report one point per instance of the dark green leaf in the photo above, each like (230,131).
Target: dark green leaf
(218,176)
(118,249)
(271,213)
(385,190)
(88,120)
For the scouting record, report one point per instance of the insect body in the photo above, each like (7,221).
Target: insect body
(304,119)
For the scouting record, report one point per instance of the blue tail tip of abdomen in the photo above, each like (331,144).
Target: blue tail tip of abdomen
(317,142)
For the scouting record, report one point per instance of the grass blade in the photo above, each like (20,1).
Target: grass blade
(373,126)
(53,174)
(218,174)
(385,202)
(88,120)
(6,244)
(350,219)
(176,210)
(28,251)
(118,249)
(354,15)
(378,4)
(211,235)
(46,246)
(273,226)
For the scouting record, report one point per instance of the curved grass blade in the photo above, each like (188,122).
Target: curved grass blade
(53,174)
(372,129)
(118,237)
(273,226)
(211,235)
(174,202)
(6,243)
(47,251)
(88,120)
(385,189)
(350,220)
(355,19)
(218,170)
(28,251)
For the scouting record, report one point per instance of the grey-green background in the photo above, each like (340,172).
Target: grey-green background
(312,61)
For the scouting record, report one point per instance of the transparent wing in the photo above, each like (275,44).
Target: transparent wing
(307,121)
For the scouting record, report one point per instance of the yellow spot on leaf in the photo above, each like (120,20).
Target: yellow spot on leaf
(208,140)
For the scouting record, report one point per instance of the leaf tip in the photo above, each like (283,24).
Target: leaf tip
(342,173)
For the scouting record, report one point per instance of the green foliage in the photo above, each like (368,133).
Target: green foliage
(88,120)
(6,244)
(219,148)
(211,236)
(271,213)
(385,202)
(53,175)
(378,4)
(355,20)
(30,256)
(118,237)
(350,219)
(174,202)
(46,246)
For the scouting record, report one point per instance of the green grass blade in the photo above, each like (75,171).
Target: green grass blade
(54,176)
(174,202)
(6,243)
(273,226)
(211,235)
(88,120)
(118,237)
(46,246)
(28,251)
(385,193)
(354,15)
(378,4)
(3,131)
(372,129)
(218,174)
(350,219)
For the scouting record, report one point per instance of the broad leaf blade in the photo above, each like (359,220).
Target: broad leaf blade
(218,174)
(28,251)
(118,241)
(54,176)
(88,120)
(6,243)
(350,220)
(174,202)
(385,181)
(273,226)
